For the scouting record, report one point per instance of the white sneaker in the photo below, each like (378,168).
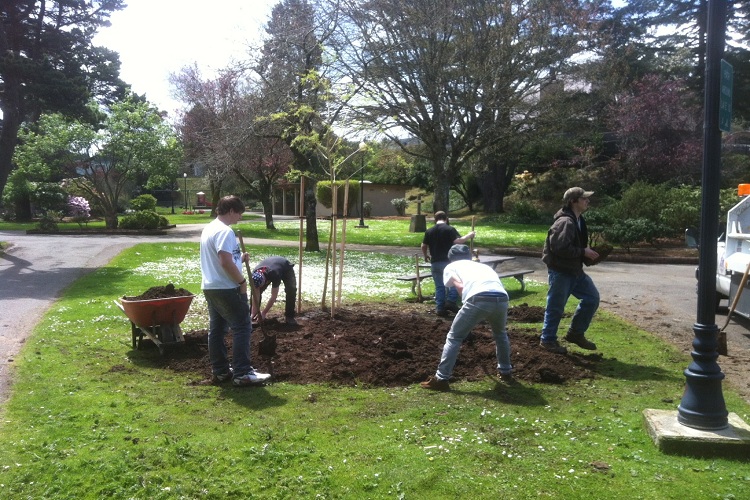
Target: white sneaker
(251,378)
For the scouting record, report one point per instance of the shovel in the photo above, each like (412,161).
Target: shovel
(722,348)
(268,342)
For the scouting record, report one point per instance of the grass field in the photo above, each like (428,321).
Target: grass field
(90,417)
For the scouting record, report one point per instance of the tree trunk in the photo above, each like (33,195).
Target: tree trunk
(312,244)
(495,182)
(268,213)
(110,220)
(215,188)
(441,196)
(22,209)
(491,194)
(10,125)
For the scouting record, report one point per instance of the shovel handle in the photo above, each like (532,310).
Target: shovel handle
(255,299)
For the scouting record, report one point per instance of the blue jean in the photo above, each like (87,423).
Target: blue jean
(228,309)
(561,287)
(290,292)
(437,269)
(474,310)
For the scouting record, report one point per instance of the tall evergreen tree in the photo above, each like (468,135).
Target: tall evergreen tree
(298,95)
(49,64)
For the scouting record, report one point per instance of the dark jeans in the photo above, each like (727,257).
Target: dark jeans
(228,309)
(443,294)
(561,287)
(290,289)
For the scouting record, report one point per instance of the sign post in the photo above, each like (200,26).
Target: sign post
(725,99)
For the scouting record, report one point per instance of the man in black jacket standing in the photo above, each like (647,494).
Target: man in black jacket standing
(438,240)
(564,251)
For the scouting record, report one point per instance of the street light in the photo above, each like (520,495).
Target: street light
(185,195)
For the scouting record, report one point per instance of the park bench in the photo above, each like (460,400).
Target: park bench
(517,274)
(414,279)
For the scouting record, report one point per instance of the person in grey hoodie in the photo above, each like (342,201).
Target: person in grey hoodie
(564,251)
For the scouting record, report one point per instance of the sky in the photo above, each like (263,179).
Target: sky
(158,37)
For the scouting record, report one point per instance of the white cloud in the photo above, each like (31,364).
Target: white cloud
(158,37)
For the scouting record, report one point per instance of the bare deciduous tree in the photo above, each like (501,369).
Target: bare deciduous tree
(458,76)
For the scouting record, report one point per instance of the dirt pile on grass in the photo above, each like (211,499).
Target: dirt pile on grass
(378,345)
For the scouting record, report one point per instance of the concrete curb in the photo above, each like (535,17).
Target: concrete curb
(615,256)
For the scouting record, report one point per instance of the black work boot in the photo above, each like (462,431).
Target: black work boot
(452,307)
(580,340)
(553,346)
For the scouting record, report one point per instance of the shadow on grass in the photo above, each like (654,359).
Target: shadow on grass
(514,393)
(614,368)
(255,397)
(251,397)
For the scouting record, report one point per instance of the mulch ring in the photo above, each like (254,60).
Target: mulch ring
(382,346)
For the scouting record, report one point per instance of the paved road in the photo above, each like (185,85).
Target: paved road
(36,269)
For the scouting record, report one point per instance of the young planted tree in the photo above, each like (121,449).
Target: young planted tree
(103,162)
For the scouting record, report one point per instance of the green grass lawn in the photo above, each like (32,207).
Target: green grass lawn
(389,232)
(90,417)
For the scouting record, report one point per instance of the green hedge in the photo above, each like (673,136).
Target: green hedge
(325,198)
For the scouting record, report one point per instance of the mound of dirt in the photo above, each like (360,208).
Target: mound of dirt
(382,346)
(161,292)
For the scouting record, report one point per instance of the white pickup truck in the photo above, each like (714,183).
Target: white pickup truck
(733,254)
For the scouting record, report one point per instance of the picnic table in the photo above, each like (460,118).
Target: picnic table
(494,260)
(491,260)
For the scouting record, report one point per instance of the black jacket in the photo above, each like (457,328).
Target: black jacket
(566,241)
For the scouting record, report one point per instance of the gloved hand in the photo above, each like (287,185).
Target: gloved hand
(603,250)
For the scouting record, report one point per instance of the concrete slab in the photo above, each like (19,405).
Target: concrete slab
(672,437)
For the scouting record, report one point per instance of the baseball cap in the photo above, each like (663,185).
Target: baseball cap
(576,192)
(459,252)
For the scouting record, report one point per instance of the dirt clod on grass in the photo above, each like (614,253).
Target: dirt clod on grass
(380,345)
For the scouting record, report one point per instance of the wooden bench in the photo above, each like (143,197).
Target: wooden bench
(414,278)
(518,274)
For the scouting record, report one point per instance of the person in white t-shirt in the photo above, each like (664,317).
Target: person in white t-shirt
(484,299)
(225,289)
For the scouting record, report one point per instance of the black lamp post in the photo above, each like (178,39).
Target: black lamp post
(185,195)
(172,196)
(702,405)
